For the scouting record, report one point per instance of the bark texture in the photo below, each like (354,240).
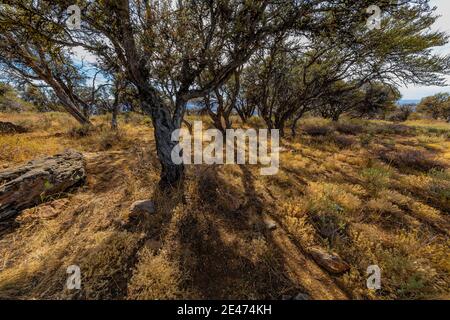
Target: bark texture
(25,186)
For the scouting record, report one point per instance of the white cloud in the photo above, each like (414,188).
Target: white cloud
(83,55)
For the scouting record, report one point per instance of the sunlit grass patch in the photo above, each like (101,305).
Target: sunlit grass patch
(20,148)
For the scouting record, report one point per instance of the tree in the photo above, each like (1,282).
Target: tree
(197,44)
(368,100)
(221,103)
(10,100)
(244,106)
(37,97)
(379,100)
(437,106)
(402,113)
(33,50)
(339,62)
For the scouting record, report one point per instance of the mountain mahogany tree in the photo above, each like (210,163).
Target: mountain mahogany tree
(437,106)
(34,50)
(223,101)
(198,44)
(294,75)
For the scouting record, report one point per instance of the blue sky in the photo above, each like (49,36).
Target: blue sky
(443,24)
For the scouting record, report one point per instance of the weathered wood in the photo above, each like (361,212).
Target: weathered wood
(25,186)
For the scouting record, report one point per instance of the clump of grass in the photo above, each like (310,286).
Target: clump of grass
(331,227)
(375,179)
(330,207)
(317,130)
(255,122)
(108,139)
(343,141)
(135,118)
(20,148)
(411,159)
(81,131)
(349,128)
(405,274)
(439,174)
(155,277)
(440,186)
(390,128)
(366,139)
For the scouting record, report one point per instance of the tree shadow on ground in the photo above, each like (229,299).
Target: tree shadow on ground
(229,251)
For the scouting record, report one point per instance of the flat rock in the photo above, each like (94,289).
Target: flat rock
(142,207)
(328,260)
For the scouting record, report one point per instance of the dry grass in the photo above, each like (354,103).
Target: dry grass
(208,238)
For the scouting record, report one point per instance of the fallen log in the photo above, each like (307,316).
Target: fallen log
(25,186)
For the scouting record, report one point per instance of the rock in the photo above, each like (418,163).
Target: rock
(142,207)
(302,296)
(330,261)
(269,223)
(11,128)
(25,186)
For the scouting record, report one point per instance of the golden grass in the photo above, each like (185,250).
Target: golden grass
(208,238)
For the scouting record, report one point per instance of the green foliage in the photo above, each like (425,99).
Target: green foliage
(375,178)
(10,100)
(38,98)
(437,106)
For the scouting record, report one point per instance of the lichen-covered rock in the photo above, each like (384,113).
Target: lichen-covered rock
(25,186)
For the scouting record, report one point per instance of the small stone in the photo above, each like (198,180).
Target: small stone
(142,207)
(301,296)
(330,261)
(269,223)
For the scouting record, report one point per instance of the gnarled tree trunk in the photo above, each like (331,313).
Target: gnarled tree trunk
(164,125)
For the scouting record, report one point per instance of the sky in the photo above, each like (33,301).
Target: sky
(443,24)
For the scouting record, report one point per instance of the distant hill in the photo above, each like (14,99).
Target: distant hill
(408,101)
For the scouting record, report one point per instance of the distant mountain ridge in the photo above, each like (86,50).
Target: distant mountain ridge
(403,102)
